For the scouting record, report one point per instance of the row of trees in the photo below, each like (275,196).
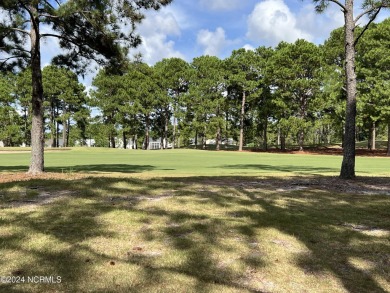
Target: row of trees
(95,30)
(65,103)
(293,93)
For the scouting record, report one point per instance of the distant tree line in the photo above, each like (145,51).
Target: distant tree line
(292,94)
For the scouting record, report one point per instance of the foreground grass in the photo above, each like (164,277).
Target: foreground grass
(196,234)
(190,163)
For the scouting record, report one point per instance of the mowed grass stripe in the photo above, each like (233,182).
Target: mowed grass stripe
(190,162)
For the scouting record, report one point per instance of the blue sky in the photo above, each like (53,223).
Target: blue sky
(191,28)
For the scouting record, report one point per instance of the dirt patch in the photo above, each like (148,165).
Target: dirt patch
(360,185)
(43,198)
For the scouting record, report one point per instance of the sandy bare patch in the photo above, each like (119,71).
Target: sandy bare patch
(43,198)
(361,185)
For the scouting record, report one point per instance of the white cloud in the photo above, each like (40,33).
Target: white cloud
(271,21)
(156,47)
(154,30)
(220,4)
(249,47)
(212,42)
(319,25)
(159,22)
(182,17)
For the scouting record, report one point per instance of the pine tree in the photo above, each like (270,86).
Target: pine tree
(371,8)
(86,30)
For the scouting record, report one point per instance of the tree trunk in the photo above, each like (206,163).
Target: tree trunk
(64,128)
(204,139)
(265,137)
(242,115)
(388,139)
(227,127)
(135,138)
(68,132)
(57,131)
(146,144)
(282,142)
(348,164)
(52,138)
(52,125)
(373,136)
(174,133)
(218,139)
(37,126)
(58,135)
(83,141)
(301,138)
(196,139)
(124,140)
(166,129)
(112,141)
(369,140)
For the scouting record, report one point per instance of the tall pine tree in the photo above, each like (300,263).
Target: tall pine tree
(370,8)
(85,29)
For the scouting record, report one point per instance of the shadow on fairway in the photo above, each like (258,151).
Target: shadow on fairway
(14,168)
(97,168)
(104,168)
(322,221)
(284,168)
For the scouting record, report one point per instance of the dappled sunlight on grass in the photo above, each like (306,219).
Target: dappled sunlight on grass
(196,234)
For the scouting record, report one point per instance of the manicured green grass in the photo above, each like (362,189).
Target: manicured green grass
(190,163)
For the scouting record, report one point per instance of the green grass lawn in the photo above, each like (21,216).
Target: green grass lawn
(194,221)
(190,163)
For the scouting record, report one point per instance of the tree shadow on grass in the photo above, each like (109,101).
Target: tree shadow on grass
(103,168)
(14,169)
(213,223)
(332,240)
(69,226)
(49,243)
(284,168)
(97,168)
(337,228)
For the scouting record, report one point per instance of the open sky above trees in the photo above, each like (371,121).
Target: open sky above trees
(191,28)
